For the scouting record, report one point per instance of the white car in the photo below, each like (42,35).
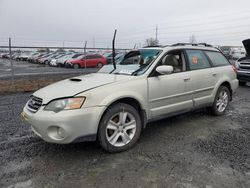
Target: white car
(114,105)
(61,61)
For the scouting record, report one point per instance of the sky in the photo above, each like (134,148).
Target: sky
(72,22)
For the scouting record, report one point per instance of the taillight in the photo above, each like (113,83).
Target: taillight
(234,68)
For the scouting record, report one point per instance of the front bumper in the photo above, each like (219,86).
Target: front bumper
(72,124)
(68,65)
(243,76)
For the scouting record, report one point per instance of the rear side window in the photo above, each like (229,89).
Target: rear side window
(197,60)
(217,58)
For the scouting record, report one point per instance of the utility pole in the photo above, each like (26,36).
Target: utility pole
(11,63)
(85,46)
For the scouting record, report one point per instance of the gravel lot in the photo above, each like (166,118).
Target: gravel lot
(189,150)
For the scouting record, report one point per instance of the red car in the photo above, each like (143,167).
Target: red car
(90,60)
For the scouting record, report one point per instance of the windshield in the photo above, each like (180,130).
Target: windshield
(135,62)
(109,54)
(80,57)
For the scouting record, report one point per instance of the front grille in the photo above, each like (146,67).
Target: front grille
(245,64)
(34,104)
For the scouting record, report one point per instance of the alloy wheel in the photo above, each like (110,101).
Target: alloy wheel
(121,129)
(222,101)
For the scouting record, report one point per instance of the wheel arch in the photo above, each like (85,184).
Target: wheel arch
(228,85)
(132,102)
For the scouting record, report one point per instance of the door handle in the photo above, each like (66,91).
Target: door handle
(186,79)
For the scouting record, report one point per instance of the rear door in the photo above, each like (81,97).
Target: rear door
(201,78)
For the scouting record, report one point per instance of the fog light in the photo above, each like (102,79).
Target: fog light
(56,133)
(61,132)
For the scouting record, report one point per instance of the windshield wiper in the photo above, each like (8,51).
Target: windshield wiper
(138,70)
(113,53)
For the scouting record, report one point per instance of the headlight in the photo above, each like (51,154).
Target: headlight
(65,104)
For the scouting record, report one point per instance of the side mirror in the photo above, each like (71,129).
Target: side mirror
(165,69)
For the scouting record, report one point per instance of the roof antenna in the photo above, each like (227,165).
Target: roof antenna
(113,51)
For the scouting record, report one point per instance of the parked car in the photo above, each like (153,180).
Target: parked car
(3,54)
(237,53)
(36,58)
(16,55)
(45,59)
(6,55)
(109,57)
(60,62)
(114,105)
(55,57)
(33,56)
(226,50)
(243,64)
(24,56)
(90,60)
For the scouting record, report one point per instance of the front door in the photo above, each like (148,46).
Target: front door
(167,93)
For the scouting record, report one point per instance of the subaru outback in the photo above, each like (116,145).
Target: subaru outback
(114,105)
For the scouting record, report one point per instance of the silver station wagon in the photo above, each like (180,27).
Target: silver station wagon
(115,104)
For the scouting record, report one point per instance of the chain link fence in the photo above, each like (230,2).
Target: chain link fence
(26,69)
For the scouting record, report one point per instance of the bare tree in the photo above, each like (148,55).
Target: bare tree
(152,42)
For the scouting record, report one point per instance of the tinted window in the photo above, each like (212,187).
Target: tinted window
(197,60)
(217,58)
(95,56)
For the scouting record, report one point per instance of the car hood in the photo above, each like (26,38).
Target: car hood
(246,44)
(73,60)
(76,85)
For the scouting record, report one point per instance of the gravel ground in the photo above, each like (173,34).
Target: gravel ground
(190,150)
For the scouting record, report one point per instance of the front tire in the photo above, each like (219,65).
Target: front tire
(221,101)
(120,128)
(99,65)
(76,66)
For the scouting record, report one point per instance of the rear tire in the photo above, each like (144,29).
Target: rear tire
(120,128)
(221,101)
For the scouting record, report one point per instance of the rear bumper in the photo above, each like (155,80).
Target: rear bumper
(234,85)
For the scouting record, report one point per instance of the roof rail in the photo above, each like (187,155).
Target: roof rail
(193,44)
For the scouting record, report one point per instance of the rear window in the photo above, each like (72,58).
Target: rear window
(217,58)
(197,60)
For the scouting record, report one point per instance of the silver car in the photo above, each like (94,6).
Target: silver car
(114,105)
